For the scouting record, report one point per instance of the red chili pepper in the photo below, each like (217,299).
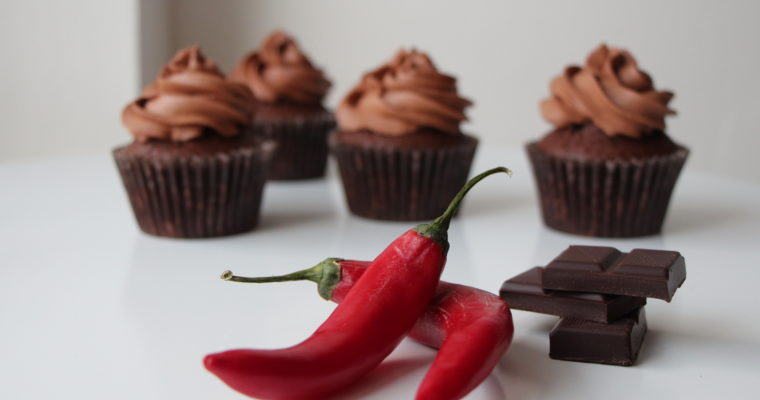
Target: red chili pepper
(362,330)
(473,328)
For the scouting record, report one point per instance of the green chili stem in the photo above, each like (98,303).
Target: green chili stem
(437,230)
(445,219)
(311,274)
(326,274)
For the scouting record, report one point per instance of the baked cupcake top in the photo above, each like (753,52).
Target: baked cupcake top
(611,92)
(189,97)
(404,96)
(278,72)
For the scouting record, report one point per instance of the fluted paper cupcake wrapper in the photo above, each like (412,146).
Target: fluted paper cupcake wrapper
(301,146)
(402,184)
(196,196)
(606,199)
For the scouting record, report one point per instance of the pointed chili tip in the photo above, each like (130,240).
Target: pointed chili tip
(221,363)
(208,362)
(226,275)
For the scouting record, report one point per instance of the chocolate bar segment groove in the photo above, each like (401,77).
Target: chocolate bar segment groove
(524,292)
(617,343)
(640,273)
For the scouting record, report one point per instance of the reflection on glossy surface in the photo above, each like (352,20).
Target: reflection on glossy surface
(91,309)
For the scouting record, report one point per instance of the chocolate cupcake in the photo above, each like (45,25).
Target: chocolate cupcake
(607,169)
(192,171)
(289,92)
(399,148)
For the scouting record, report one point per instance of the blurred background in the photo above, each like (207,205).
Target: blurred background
(69,67)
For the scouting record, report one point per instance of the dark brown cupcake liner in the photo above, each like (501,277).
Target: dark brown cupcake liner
(196,196)
(301,151)
(402,184)
(605,199)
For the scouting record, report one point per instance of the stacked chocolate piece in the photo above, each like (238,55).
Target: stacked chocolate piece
(600,294)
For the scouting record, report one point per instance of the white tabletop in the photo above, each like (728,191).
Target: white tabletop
(91,308)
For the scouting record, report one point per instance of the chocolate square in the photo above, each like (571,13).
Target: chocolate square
(586,258)
(617,343)
(640,273)
(524,292)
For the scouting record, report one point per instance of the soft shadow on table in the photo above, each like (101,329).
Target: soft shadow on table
(383,375)
(544,326)
(492,388)
(725,350)
(287,219)
(288,204)
(693,215)
(393,370)
(527,372)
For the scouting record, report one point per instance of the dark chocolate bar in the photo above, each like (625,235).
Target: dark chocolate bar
(524,292)
(640,273)
(617,343)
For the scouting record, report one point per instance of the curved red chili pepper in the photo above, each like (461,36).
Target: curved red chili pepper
(473,328)
(362,330)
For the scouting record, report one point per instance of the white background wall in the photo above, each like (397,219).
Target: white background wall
(503,52)
(67,68)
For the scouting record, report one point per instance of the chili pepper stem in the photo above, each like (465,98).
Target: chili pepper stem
(437,229)
(326,274)
(311,274)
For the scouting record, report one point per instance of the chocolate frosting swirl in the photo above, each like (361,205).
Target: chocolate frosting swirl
(609,91)
(279,72)
(402,97)
(189,96)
